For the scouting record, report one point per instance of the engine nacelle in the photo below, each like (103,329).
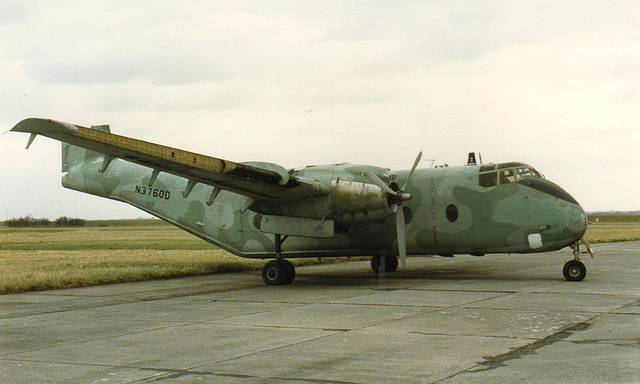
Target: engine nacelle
(352,197)
(357,202)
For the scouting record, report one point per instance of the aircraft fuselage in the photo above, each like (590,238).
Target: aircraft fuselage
(472,209)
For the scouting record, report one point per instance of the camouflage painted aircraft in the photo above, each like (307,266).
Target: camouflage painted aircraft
(262,210)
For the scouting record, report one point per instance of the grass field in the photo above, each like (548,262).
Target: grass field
(105,252)
(49,258)
(612,228)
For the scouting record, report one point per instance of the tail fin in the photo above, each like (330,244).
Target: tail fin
(72,155)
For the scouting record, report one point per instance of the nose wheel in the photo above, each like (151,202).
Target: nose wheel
(575,270)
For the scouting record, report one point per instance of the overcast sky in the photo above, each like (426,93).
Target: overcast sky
(550,83)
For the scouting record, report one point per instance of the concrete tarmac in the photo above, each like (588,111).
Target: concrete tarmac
(498,318)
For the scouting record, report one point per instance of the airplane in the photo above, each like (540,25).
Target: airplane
(264,211)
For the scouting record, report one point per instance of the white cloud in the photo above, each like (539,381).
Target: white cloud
(552,84)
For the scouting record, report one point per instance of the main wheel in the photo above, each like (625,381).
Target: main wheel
(290,272)
(278,272)
(574,270)
(390,263)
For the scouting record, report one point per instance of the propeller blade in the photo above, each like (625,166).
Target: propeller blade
(376,180)
(415,165)
(402,239)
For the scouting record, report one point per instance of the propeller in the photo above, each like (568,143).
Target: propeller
(398,197)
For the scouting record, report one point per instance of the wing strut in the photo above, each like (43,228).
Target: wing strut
(187,190)
(105,163)
(31,138)
(213,196)
(154,176)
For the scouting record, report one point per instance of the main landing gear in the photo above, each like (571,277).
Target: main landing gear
(575,270)
(384,262)
(278,271)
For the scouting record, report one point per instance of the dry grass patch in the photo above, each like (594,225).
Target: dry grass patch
(41,270)
(612,232)
(129,237)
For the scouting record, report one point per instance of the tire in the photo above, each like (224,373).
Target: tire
(273,273)
(574,270)
(390,263)
(290,272)
(278,272)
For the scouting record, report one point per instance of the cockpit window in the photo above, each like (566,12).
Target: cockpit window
(507,176)
(487,167)
(489,179)
(505,173)
(527,172)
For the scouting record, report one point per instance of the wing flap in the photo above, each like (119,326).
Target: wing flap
(253,181)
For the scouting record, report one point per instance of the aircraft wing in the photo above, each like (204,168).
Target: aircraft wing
(260,181)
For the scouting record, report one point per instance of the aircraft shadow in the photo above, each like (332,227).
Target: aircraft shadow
(436,274)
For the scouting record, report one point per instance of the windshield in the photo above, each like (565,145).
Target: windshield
(505,173)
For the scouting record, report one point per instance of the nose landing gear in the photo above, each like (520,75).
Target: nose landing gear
(575,270)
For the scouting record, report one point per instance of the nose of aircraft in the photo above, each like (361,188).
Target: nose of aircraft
(569,214)
(577,220)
